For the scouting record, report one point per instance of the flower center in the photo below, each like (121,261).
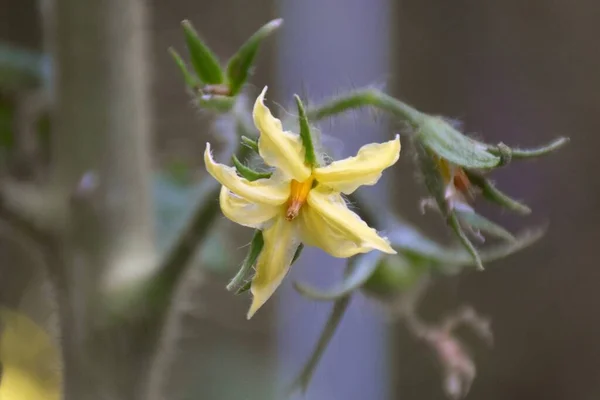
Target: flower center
(298,194)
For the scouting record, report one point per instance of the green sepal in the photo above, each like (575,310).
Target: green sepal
(298,253)
(256,246)
(432,177)
(410,242)
(310,157)
(519,154)
(360,269)
(464,240)
(238,67)
(448,143)
(191,80)
(437,187)
(479,222)
(250,143)
(244,288)
(494,195)
(247,172)
(204,61)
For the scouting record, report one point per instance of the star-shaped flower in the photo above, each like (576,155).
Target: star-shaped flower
(300,203)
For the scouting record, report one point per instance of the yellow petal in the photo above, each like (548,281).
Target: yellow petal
(30,359)
(261,191)
(319,232)
(364,169)
(244,212)
(337,216)
(18,384)
(279,149)
(274,261)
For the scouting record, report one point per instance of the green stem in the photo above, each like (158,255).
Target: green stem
(303,379)
(367,98)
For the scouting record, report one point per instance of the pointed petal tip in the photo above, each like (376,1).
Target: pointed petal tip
(262,94)
(259,105)
(257,303)
(386,248)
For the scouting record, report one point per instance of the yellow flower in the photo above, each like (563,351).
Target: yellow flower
(299,203)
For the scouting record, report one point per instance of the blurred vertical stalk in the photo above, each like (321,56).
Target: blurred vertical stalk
(103,232)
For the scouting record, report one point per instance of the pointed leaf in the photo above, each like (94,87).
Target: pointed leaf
(360,270)
(238,67)
(190,80)
(448,143)
(205,62)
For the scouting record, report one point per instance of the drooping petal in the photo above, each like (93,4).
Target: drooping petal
(274,261)
(278,148)
(363,169)
(244,212)
(332,208)
(261,191)
(319,232)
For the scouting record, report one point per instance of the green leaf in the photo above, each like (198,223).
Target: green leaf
(238,67)
(190,80)
(360,269)
(448,143)
(256,246)
(309,156)
(494,195)
(247,172)
(303,380)
(479,222)
(205,62)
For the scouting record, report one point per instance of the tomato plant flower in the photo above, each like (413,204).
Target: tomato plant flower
(299,203)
